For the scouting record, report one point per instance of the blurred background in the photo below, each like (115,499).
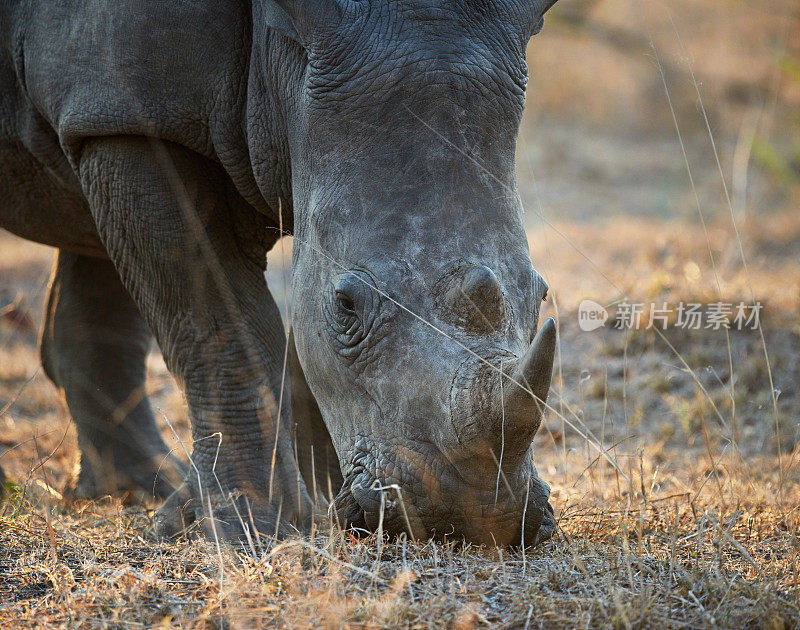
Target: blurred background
(653,117)
(611,81)
(659,161)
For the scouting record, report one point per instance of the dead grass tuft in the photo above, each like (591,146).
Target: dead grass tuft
(637,560)
(698,524)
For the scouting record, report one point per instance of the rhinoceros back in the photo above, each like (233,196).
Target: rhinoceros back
(71,70)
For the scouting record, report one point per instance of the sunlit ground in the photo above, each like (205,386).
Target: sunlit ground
(673,456)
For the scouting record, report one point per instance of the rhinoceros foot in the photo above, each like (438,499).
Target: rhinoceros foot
(135,479)
(237,516)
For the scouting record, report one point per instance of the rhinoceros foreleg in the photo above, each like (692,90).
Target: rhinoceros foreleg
(192,254)
(94,345)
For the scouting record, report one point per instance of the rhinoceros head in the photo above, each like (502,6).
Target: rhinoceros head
(416,305)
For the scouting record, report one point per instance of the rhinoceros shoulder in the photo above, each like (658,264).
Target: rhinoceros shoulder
(173,70)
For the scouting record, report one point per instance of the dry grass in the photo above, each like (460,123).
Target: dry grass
(698,525)
(652,559)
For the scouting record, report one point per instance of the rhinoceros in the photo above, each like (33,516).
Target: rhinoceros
(165,146)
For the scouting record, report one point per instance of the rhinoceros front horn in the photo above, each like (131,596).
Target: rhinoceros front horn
(524,405)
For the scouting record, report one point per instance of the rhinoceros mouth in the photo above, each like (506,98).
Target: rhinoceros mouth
(345,510)
(537,525)
(525,518)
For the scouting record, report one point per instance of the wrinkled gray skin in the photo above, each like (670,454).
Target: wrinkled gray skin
(161,145)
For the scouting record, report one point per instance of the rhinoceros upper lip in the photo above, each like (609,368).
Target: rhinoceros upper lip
(538,527)
(345,508)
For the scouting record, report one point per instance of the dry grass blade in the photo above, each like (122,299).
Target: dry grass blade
(671,454)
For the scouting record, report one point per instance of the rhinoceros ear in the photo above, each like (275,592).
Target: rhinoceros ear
(277,19)
(305,20)
(540,8)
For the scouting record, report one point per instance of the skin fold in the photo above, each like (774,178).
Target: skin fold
(163,146)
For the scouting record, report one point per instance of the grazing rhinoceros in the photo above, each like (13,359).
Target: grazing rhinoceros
(162,146)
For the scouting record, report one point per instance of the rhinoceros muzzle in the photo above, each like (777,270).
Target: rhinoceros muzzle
(443,489)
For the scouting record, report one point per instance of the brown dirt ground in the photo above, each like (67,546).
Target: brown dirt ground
(674,459)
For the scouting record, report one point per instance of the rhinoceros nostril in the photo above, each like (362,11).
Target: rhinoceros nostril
(478,299)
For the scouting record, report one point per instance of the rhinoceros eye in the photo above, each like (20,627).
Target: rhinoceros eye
(349,308)
(345,303)
(353,308)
